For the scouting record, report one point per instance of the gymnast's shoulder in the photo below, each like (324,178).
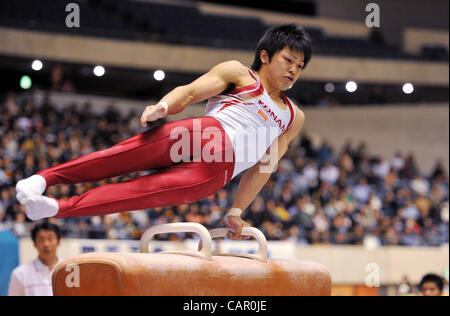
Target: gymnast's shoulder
(231,69)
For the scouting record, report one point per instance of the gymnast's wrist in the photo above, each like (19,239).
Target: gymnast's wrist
(165,106)
(234,212)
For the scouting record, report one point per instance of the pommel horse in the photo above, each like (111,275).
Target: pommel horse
(189,273)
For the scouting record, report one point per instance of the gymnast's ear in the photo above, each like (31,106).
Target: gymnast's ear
(264,56)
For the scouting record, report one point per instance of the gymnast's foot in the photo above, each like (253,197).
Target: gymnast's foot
(39,207)
(34,185)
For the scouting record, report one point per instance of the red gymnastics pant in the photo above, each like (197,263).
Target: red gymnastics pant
(172,183)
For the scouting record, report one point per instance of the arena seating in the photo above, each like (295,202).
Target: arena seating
(390,200)
(125,19)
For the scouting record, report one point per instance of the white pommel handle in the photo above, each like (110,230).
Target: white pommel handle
(261,255)
(205,252)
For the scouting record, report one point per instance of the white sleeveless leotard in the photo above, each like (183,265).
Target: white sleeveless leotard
(249,114)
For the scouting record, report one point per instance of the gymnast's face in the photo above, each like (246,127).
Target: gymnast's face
(285,68)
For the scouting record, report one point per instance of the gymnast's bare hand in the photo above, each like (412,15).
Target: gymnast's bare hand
(153,113)
(236,223)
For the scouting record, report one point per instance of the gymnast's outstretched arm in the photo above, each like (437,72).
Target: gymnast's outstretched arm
(253,179)
(209,85)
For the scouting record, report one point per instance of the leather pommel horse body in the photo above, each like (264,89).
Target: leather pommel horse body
(189,273)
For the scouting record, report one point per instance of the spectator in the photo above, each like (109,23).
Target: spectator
(311,174)
(368,218)
(325,152)
(321,222)
(362,191)
(329,173)
(307,145)
(381,168)
(4,179)
(406,288)
(438,170)
(431,285)
(281,214)
(442,232)
(390,237)
(409,170)
(420,185)
(357,236)
(222,199)
(411,234)
(409,211)
(3,226)
(302,217)
(34,279)
(57,77)
(19,229)
(346,163)
(398,162)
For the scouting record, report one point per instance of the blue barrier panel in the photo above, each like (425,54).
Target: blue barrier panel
(9,259)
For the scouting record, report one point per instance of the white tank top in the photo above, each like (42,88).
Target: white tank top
(252,121)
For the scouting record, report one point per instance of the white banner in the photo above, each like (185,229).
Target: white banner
(72,247)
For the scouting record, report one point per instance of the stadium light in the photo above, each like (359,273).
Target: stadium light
(329,87)
(25,82)
(408,88)
(159,75)
(351,86)
(99,71)
(37,65)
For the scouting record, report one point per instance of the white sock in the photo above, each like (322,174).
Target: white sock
(34,185)
(39,206)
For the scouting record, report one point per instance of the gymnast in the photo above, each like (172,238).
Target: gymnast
(242,101)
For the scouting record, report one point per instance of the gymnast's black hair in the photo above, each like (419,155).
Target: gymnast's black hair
(277,38)
(45,225)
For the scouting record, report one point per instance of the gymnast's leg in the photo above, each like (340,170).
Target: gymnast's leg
(149,150)
(180,184)
(146,150)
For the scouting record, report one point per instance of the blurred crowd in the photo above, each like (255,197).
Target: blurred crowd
(319,195)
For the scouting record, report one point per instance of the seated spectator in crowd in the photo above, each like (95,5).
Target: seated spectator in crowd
(329,173)
(362,191)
